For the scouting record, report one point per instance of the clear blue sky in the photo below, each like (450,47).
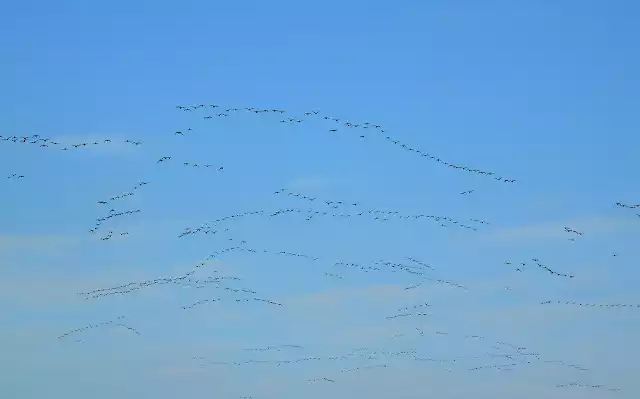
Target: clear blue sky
(543,92)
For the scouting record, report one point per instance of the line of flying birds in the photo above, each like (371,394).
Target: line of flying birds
(365,125)
(593,305)
(46,142)
(537,263)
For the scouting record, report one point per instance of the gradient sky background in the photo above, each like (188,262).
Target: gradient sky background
(539,91)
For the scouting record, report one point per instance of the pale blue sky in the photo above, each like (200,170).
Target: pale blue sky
(539,91)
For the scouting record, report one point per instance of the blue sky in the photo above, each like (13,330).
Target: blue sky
(538,91)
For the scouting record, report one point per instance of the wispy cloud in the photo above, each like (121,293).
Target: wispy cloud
(596,225)
(185,371)
(34,242)
(335,297)
(45,291)
(54,289)
(535,315)
(311,183)
(383,297)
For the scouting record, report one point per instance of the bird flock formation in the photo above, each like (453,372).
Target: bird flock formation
(231,289)
(363,133)
(46,142)
(621,205)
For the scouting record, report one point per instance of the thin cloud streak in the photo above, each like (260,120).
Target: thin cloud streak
(312,183)
(554,231)
(34,242)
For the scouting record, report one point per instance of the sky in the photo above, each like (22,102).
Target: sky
(542,92)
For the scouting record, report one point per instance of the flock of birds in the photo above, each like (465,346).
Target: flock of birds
(509,356)
(46,142)
(621,205)
(367,130)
